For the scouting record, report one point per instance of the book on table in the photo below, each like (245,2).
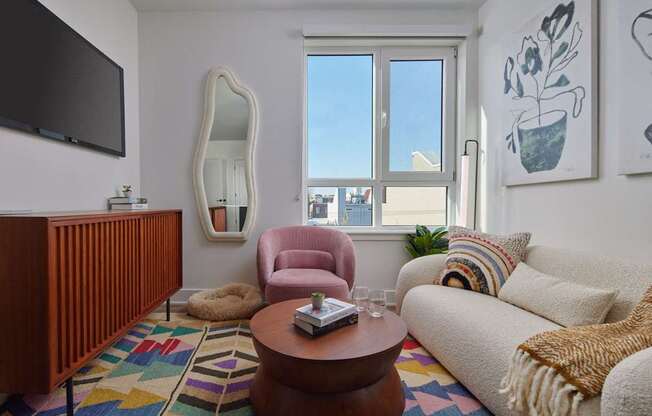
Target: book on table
(320,330)
(330,311)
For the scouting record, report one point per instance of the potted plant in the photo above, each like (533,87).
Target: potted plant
(127,190)
(535,79)
(425,242)
(317,299)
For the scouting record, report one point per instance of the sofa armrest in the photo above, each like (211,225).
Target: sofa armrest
(420,271)
(627,390)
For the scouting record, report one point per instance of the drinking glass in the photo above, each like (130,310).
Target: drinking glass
(376,303)
(360,297)
(390,300)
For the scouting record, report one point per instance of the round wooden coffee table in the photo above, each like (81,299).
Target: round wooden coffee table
(349,371)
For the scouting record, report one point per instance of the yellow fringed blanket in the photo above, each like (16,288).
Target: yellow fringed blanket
(553,372)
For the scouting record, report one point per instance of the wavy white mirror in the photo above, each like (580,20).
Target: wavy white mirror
(224,160)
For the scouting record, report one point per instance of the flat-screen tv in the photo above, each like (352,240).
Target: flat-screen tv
(55,83)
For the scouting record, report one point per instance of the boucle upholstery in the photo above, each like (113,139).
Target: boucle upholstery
(556,299)
(474,335)
(626,391)
(420,271)
(630,278)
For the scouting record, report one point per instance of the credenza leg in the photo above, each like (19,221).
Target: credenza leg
(70,401)
(167,310)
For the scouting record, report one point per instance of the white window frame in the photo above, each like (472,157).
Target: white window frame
(382,53)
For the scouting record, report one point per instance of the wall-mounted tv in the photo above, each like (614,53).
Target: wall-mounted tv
(55,83)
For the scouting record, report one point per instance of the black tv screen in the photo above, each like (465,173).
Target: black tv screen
(55,83)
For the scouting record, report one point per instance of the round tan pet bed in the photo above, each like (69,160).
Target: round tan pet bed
(233,301)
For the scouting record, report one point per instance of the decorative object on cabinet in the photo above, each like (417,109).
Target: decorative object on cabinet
(224,178)
(73,283)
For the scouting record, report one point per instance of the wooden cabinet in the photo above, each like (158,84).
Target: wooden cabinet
(72,283)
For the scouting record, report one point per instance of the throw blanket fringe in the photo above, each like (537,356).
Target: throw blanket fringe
(553,372)
(541,390)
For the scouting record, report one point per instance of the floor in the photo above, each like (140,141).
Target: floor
(191,367)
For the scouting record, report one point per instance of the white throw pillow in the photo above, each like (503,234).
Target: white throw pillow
(558,300)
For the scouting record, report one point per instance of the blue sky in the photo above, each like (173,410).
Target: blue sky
(340,112)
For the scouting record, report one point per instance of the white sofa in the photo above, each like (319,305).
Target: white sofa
(474,335)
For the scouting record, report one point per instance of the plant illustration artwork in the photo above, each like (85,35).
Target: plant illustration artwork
(537,80)
(641,33)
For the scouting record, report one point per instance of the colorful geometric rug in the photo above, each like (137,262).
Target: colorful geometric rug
(190,367)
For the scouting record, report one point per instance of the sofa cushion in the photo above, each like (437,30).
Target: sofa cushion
(305,259)
(300,283)
(630,278)
(474,336)
(481,262)
(561,301)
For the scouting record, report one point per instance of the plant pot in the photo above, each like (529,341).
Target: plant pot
(317,300)
(541,140)
(127,194)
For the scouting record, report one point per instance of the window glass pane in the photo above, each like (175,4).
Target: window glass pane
(340,206)
(415,112)
(414,205)
(340,116)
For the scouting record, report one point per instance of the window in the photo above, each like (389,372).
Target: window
(379,136)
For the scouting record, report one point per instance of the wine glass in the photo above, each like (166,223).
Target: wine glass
(376,303)
(360,297)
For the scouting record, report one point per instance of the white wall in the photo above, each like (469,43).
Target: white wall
(42,174)
(264,49)
(607,215)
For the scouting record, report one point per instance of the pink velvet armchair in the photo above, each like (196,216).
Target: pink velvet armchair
(295,261)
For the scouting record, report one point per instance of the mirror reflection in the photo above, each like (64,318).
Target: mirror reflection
(225,164)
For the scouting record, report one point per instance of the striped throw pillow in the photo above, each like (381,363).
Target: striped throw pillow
(481,262)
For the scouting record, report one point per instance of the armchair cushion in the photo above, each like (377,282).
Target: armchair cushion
(300,283)
(305,259)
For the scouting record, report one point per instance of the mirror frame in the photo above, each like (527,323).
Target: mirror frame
(202,148)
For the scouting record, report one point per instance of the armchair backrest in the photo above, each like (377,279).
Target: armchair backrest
(305,238)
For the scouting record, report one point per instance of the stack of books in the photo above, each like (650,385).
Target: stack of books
(124,203)
(333,314)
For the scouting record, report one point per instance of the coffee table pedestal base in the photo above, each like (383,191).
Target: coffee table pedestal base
(272,398)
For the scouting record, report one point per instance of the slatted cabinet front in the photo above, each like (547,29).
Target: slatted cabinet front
(87,279)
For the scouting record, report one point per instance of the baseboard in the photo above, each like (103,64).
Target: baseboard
(182,296)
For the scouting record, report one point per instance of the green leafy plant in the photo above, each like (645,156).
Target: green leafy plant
(425,242)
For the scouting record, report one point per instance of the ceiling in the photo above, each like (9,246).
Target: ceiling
(216,5)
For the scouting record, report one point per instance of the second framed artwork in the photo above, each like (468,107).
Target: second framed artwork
(635,89)
(550,96)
